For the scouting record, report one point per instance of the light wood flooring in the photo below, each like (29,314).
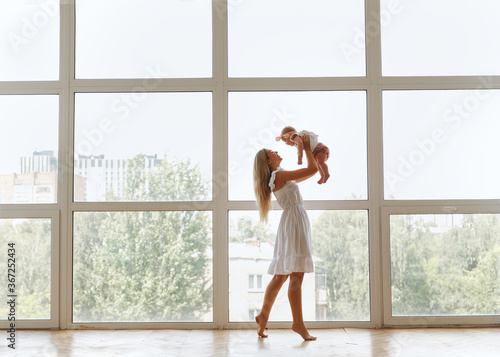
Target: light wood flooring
(475,342)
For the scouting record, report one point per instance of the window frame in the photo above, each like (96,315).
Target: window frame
(254,279)
(426,320)
(53,215)
(220,85)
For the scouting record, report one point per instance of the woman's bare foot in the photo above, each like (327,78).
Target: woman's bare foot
(262,322)
(302,331)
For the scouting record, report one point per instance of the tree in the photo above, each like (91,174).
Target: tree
(411,291)
(340,241)
(32,239)
(448,270)
(147,265)
(247,227)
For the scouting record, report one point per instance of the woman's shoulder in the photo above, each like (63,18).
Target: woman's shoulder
(280,179)
(273,178)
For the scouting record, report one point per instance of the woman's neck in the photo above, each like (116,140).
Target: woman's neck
(273,167)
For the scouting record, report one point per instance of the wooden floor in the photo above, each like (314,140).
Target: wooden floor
(475,342)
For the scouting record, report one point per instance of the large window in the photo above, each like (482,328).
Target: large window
(128,130)
(28,148)
(139,146)
(445,264)
(138,39)
(158,261)
(29,40)
(339,119)
(294,38)
(441,144)
(337,291)
(27,246)
(457,38)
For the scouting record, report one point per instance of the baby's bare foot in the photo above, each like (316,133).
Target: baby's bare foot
(323,179)
(326,177)
(302,331)
(262,322)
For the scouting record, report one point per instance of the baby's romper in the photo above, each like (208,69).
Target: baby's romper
(292,249)
(316,146)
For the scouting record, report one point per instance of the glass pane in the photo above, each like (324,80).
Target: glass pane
(294,38)
(143,39)
(29,126)
(142,266)
(441,144)
(339,118)
(445,265)
(440,38)
(337,291)
(29,40)
(31,241)
(135,146)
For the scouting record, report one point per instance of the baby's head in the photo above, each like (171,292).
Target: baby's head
(285,135)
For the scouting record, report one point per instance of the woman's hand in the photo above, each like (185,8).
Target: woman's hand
(306,140)
(300,174)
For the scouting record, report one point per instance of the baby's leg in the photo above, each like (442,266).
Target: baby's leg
(320,169)
(321,158)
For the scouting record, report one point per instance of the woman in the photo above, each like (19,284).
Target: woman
(292,251)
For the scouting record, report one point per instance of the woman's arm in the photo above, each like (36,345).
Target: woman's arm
(301,174)
(300,148)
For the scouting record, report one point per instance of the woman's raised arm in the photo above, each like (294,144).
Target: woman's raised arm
(300,174)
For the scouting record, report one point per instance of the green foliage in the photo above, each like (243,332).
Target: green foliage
(450,272)
(340,241)
(246,227)
(153,265)
(32,240)
(145,266)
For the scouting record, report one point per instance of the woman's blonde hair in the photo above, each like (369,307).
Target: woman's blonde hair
(261,176)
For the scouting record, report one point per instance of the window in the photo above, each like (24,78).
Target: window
(252,314)
(135,131)
(160,261)
(119,31)
(441,144)
(284,38)
(32,238)
(445,264)
(28,148)
(30,40)
(338,117)
(320,277)
(255,283)
(438,48)
(128,130)
(340,286)
(30,241)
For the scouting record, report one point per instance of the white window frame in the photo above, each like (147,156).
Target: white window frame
(424,321)
(255,287)
(53,215)
(220,85)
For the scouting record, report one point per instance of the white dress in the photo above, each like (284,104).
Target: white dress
(292,249)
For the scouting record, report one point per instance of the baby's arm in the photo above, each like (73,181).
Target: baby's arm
(300,147)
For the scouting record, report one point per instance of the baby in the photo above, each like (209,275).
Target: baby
(321,152)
